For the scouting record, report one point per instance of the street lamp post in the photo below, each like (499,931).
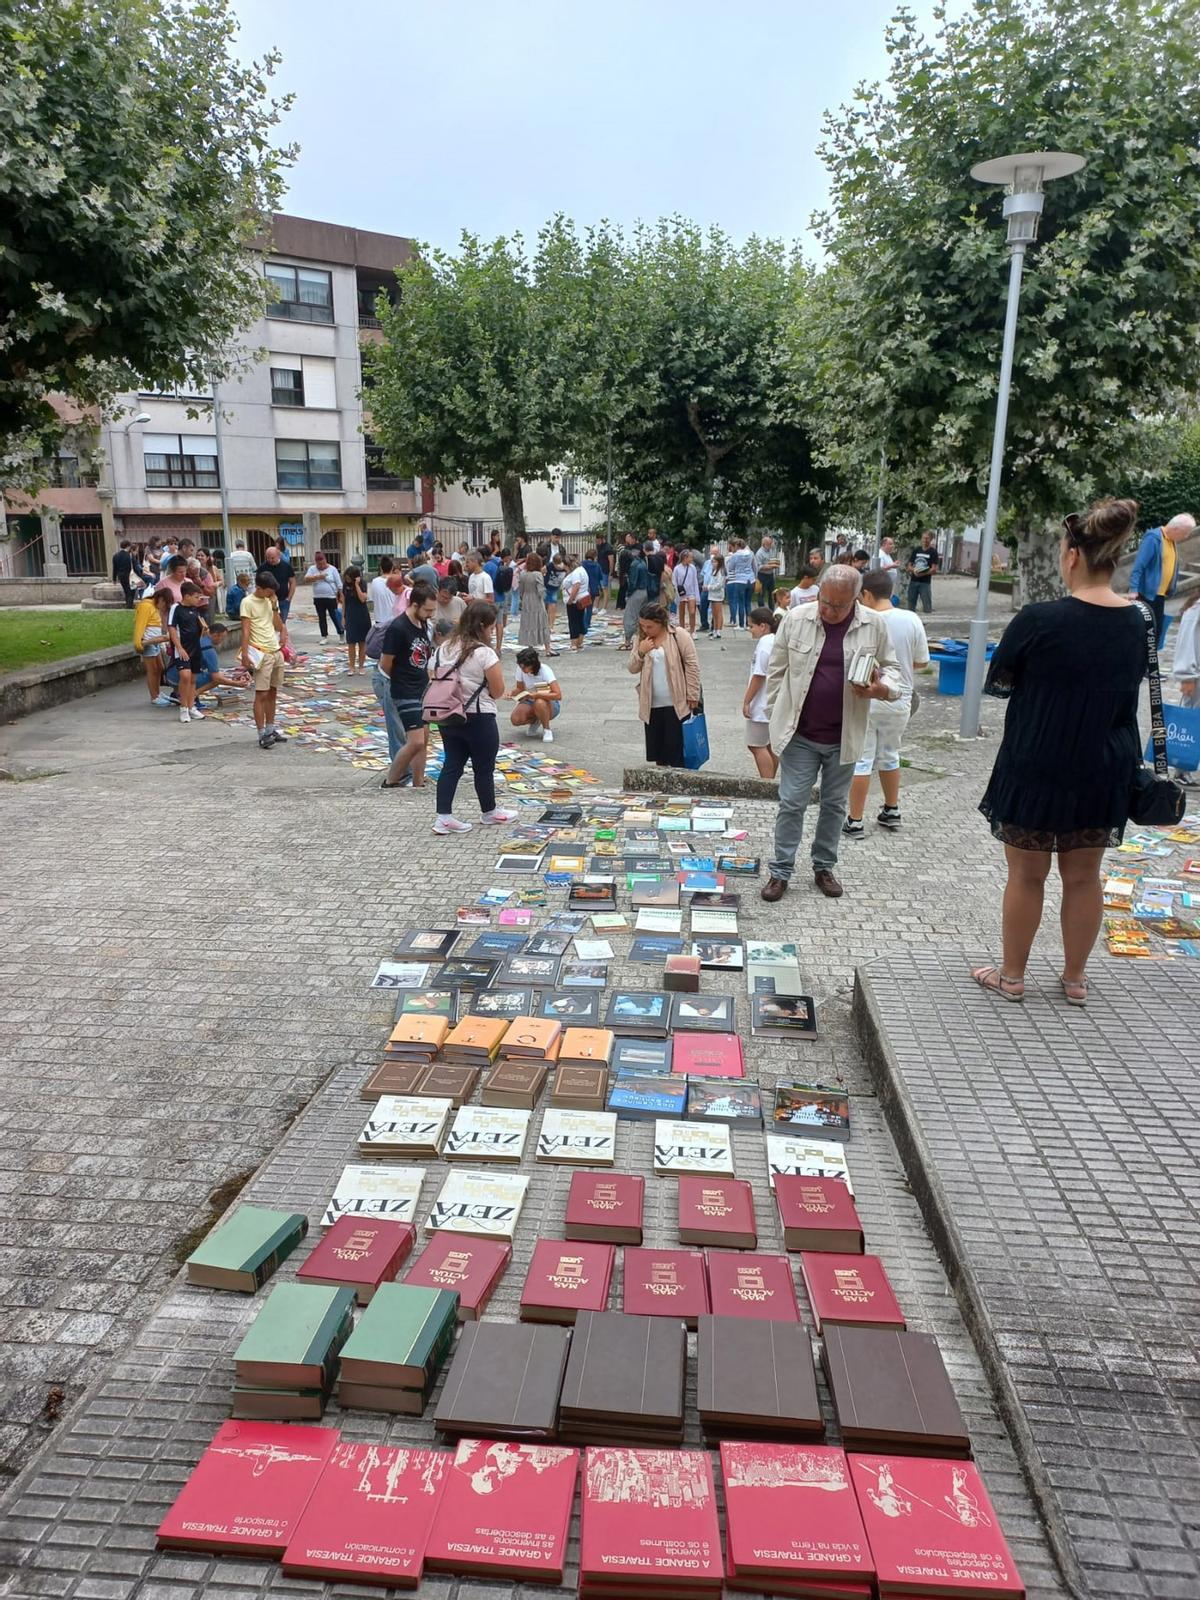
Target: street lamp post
(1023,175)
(222,486)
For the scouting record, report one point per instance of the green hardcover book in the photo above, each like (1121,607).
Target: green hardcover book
(294,1341)
(245,1250)
(401,1337)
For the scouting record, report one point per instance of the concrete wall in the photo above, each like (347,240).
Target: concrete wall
(44,591)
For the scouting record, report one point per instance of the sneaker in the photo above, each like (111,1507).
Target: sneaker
(497,818)
(196,714)
(451,825)
(183,716)
(162,700)
(547,737)
(889,817)
(853,828)
(264,741)
(277,738)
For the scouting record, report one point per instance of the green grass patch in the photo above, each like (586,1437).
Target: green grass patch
(30,638)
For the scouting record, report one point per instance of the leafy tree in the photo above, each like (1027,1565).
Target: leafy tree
(1169,478)
(137,166)
(900,343)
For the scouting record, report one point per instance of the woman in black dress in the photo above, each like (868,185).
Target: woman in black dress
(1070,670)
(358,619)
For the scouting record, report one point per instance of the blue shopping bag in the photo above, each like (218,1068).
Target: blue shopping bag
(1183,738)
(695,741)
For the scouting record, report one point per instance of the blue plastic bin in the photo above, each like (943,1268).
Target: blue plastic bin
(952,665)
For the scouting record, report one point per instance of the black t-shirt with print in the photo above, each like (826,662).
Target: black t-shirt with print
(924,563)
(188,625)
(407,643)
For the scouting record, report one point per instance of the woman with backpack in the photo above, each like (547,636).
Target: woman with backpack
(466,680)
(668,669)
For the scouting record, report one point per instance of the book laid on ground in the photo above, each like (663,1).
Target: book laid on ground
(504,1382)
(736,1102)
(659,923)
(359,1253)
(791,1515)
(717,1211)
(369,1516)
(815,1108)
(401,1339)
(713,1055)
(249,1489)
(755,1377)
(405,1125)
(605,1206)
(664,1283)
(244,1250)
(932,1521)
(393,1077)
(655,948)
(638,1012)
(691,1147)
(703,1013)
(375,1191)
(681,974)
(574,1008)
(428,943)
(401,975)
(644,1099)
(505,1511)
(586,1046)
(538,971)
(584,1138)
(295,1339)
(579,1088)
(468,1268)
(466,973)
(487,1133)
(849,1289)
(417,1038)
(655,894)
(892,1393)
(531,1038)
(643,1056)
(625,1377)
(475,1040)
(818,1214)
(515,1084)
(808,1158)
(486,1205)
(547,944)
(649,1524)
(564,1278)
(744,1283)
(449,1080)
(783,1016)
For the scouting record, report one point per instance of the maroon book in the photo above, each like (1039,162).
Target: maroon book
(851,1289)
(708,1055)
(932,1528)
(505,1511)
(791,1514)
(248,1489)
(818,1214)
(564,1278)
(606,1206)
(370,1515)
(665,1283)
(649,1517)
(359,1254)
(717,1211)
(744,1284)
(471,1267)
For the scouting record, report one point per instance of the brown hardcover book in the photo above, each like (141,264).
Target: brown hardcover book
(531,1039)
(514,1083)
(377,1397)
(586,1046)
(681,974)
(624,1372)
(393,1077)
(450,1080)
(891,1392)
(504,1382)
(580,1088)
(755,1378)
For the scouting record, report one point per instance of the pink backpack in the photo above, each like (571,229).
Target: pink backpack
(443,700)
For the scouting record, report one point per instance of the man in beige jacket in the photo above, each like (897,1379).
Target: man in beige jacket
(818,718)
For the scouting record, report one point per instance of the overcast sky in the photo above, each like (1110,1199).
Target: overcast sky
(423,118)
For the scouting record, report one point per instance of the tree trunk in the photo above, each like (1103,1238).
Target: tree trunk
(1037,563)
(513,507)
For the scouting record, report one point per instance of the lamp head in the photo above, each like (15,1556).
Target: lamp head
(1024,174)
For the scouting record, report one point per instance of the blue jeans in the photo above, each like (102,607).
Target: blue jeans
(920,594)
(738,595)
(801,762)
(514,602)
(704,608)
(396,738)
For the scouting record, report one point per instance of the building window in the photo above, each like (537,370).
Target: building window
(568,492)
(287,386)
(300,294)
(61,471)
(307,464)
(309,381)
(180,461)
(378,476)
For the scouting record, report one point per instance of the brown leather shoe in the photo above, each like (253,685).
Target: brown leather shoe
(825,881)
(774,889)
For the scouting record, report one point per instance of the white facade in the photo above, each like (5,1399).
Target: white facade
(563,503)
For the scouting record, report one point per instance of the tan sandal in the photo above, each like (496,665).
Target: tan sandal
(1075,991)
(994,981)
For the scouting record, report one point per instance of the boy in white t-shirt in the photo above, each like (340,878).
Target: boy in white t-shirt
(541,695)
(479,583)
(763,623)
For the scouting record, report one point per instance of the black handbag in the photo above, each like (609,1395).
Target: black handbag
(1155,800)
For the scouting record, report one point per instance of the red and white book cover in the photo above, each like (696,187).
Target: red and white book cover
(708,1055)
(568,1275)
(370,1515)
(360,1252)
(248,1489)
(932,1528)
(791,1512)
(605,1200)
(816,1203)
(849,1289)
(470,1267)
(664,1283)
(716,1205)
(505,1510)
(743,1283)
(649,1515)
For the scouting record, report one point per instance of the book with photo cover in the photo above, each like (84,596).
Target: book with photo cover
(740,866)
(650,896)
(499,943)
(465,974)
(584,975)
(518,863)
(681,1147)
(505,1511)
(581,1138)
(473,916)
(806,1158)
(718,955)
(703,1013)
(592,897)
(737,1102)
(487,1133)
(401,975)
(486,1205)
(427,1003)
(547,944)
(574,1008)
(649,1524)
(645,1098)
(655,949)
(641,1057)
(792,1523)
(816,1108)
(510,1003)
(571,922)
(373,1192)
(783,1016)
(528,971)
(774,978)
(433,944)
(637,1011)
(770,952)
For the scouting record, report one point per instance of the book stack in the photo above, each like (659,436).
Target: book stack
(469,1268)
(747,1284)
(850,1289)
(475,1041)
(448,1080)
(717,1211)
(755,1379)
(287,1360)
(244,1251)
(792,1523)
(515,1084)
(892,1393)
(505,1512)
(581,1088)
(586,1138)
(504,1382)
(416,1039)
(565,1278)
(665,1283)
(605,1207)
(390,1361)
(488,1133)
(818,1214)
(624,1380)
(649,1526)
(359,1253)
(404,1125)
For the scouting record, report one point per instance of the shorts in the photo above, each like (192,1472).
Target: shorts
(555,707)
(758,735)
(886,722)
(150,651)
(269,672)
(408,713)
(193,663)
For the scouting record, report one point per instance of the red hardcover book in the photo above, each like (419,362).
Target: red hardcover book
(370,1515)
(471,1267)
(359,1253)
(665,1283)
(505,1511)
(817,1214)
(743,1284)
(717,1211)
(605,1206)
(565,1277)
(248,1489)
(932,1528)
(791,1513)
(649,1518)
(708,1055)
(850,1289)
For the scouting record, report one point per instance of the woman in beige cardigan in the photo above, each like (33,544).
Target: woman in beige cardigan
(669,688)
